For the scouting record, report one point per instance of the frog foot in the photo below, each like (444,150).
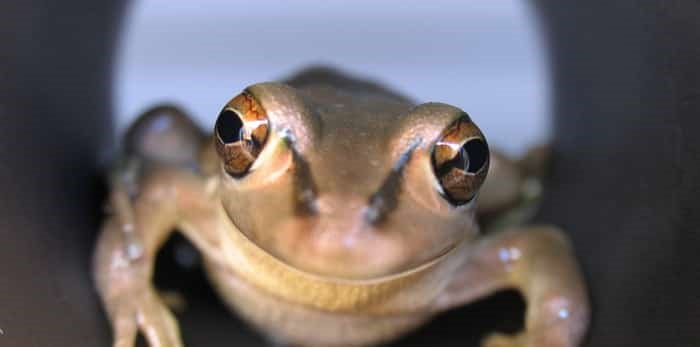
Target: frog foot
(147,314)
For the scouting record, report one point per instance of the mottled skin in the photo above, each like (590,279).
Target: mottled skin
(316,243)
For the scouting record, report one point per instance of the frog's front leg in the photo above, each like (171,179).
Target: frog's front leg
(539,262)
(127,248)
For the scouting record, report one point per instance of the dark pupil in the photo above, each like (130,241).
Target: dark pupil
(461,160)
(477,154)
(229,126)
(470,158)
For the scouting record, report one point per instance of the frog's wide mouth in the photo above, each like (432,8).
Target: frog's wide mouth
(257,254)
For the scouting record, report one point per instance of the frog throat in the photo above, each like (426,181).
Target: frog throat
(383,295)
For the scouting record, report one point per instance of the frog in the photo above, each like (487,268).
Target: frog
(330,210)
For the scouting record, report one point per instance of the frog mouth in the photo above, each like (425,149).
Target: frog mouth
(339,249)
(270,273)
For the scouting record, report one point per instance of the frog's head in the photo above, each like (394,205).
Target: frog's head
(346,185)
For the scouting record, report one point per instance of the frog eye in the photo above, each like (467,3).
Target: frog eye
(460,161)
(240,133)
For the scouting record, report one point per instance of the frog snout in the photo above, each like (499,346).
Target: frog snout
(337,240)
(344,211)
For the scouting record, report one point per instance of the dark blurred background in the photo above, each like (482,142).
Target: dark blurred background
(623,78)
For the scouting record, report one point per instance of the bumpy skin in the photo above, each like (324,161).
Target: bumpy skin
(327,274)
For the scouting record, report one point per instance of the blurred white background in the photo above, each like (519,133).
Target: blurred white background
(484,57)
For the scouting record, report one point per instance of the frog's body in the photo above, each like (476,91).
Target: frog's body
(329,212)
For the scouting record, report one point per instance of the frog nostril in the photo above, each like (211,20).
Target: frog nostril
(304,187)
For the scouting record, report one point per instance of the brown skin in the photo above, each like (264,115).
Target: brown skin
(341,232)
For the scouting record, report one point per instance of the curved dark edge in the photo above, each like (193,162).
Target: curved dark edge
(55,121)
(624,182)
